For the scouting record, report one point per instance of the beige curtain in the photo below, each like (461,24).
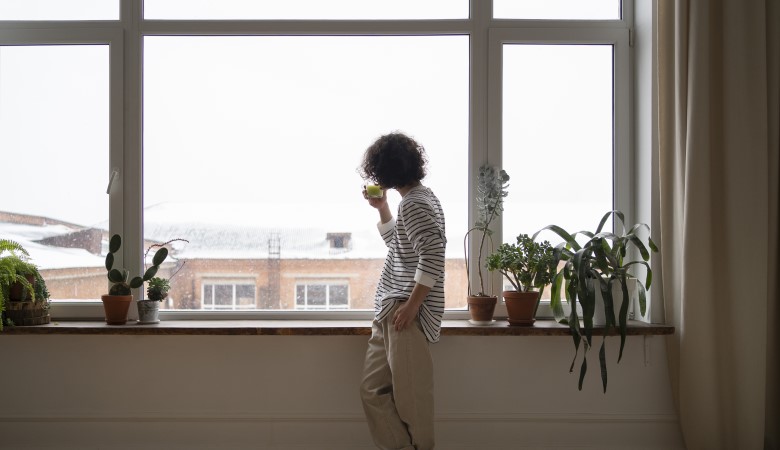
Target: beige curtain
(718,106)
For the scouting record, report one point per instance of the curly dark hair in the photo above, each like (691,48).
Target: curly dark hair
(393,161)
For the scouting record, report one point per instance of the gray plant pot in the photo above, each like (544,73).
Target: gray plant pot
(148,312)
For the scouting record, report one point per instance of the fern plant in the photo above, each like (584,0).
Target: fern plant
(15,268)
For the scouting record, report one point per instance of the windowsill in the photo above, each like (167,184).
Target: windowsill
(312,328)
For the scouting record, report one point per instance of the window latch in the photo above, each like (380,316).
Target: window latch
(111,178)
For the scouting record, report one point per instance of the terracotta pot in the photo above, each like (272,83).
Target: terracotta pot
(482,308)
(116,308)
(521,307)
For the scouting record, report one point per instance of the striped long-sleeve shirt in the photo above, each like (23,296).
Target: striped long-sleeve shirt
(416,243)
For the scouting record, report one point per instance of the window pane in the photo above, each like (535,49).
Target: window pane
(339,295)
(54,136)
(59,9)
(557,9)
(251,146)
(208,296)
(305,9)
(223,296)
(316,295)
(245,296)
(300,296)
(557,136)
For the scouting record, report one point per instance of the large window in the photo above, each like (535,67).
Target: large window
(239,125)
(557,138)
(281,123)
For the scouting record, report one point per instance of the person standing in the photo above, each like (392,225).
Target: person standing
(397,386)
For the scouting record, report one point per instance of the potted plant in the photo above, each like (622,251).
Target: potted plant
(156,291)
(492,185)
(117,303)
(529,266)
(24,298)
(591,271)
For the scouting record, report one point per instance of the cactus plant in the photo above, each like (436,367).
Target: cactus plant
(119,277)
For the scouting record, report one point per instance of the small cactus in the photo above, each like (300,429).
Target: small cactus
(119,277)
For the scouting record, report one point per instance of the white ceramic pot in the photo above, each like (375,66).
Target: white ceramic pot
(599,316)
(148,312)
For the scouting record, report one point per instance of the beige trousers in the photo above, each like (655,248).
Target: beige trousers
(397,387)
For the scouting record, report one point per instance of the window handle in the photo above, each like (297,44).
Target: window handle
(111,178)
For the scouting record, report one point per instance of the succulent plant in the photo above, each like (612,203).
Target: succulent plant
(492,188)
(119,277)
(158,289)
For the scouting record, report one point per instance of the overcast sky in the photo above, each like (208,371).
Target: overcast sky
(264,120)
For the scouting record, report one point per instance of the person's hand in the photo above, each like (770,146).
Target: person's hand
(376,202)
(405,315)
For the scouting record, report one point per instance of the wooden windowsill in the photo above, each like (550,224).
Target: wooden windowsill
(312,328)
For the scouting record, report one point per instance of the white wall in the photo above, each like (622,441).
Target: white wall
(301,392)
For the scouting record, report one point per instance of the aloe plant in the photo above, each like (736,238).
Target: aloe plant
(492,185)
(601,261)
(119,277)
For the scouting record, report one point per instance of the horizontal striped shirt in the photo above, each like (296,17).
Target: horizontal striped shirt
(416,243)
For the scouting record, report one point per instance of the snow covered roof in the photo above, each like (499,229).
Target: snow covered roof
(224,231)
(48,256)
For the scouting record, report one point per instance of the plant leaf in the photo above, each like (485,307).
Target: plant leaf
(570,241)
(114,243)
(116,276)
(555,298)
(583,370)
(136,282)
(160,256)
(623,319)
(150,273)
(609,306)
(642,249)
(603,361)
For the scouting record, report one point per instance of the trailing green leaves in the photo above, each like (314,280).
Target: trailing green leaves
(595,264)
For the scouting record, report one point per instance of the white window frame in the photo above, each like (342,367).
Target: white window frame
(622,118)
(87,33)
(327,284)
(485,37)
(233,283)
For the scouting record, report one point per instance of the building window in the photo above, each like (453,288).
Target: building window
(339,240)
(219,295)
(318,296)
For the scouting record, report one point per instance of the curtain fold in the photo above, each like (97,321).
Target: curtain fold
(718,161)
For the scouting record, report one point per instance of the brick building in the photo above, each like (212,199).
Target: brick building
(236,267)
